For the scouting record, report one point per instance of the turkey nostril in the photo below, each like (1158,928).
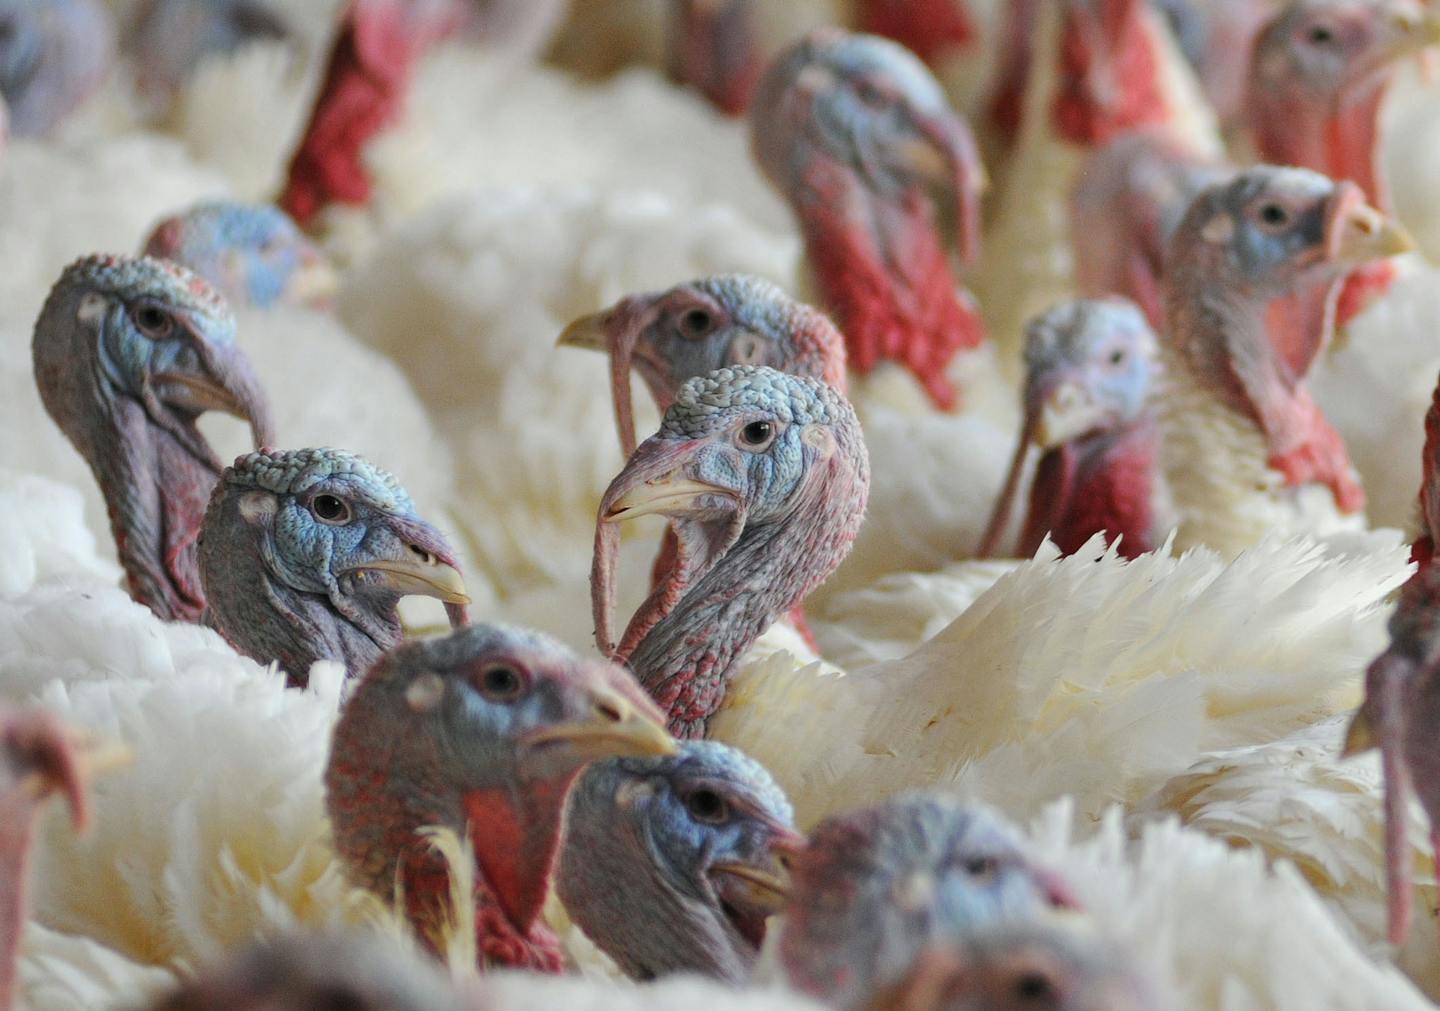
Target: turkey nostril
(1034,986)
(609,710)
(422,554)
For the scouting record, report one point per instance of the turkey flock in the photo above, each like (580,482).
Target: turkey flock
(882,505)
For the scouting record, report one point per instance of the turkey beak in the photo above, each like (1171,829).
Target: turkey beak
(1408,34)
(591,332)
(425,568)
(660,480)
(314,282)
(1358,233)
(63,759)
(761,885)
(1066,411)
(944,156)
(618,725)
(615,332)
(228,384)
(1361,735)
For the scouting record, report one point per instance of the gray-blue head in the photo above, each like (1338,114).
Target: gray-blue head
(673,864)
(53,55)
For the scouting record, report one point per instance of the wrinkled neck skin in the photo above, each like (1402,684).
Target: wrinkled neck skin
(693,645)
(655,925)
(1096,104)
(885,276)
(1103,482)
(1253,355)
(381,788)
(156,482)
(272,622)
(17,828)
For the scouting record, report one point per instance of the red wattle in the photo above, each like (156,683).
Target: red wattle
(897,301)
(1362,287)
(1103,484)
(930,28)
(1422,552)
(1102,95)
(1319,457)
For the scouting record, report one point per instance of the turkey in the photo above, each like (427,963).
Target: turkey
(1090,368)
(699,840)
(305,555)
(54,54)
(486,728)
(128,353)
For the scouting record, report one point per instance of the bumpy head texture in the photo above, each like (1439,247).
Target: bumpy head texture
(128,352)
(253,253)
(857,135)
(764,477)
(306,554)
(53,55)
(481,732)
(357,972)
(673,864)
(876,887)
(695,328)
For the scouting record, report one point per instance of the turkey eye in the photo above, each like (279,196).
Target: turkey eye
(1116,357)
(501,683)
(1032,986)
(870,93)
(153,322)
(757,434)
(1274,214)
(982,867)
(1321,35)
(696,322)
(707,806)
(330,509)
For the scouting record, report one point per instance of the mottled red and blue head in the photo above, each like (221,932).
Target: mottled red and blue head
(885,178)
(693,329)
(128,353)
(253,253)
(53,55)
(673,864)
(481,731)
(876,887)
(764,477)
(307,553)
(170,38)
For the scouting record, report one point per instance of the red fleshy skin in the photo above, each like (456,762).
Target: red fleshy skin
(1363,287)
(1080,492)
(1320,458)
(929,28)
(1103,94)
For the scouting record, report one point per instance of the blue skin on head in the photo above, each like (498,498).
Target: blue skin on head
(251,252)
(306,554)
(644,868)
(1104,347)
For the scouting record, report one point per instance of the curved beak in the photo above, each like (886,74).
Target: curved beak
(1407,33)
(1361,735)
(1358,233)
(590,332)
(671,495)
(59,758)
(615,727)
(761,885)
(426,576)
(945,157)
(229,384)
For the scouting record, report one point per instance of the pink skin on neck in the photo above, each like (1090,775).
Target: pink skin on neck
(1110,75)
(932,29)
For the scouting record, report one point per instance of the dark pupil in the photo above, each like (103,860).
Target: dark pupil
(502,681)
(705,803)
(980,867)
(1033,986)
(152,319)
(756,432)
(1321,35)
(1116,357)
(697,321)
(1273,214)
(328,507)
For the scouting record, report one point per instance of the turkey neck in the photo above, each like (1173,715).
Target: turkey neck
(1342,142)
(156,489)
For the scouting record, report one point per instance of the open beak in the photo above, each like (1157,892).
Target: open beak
(614,728)
(1360,234)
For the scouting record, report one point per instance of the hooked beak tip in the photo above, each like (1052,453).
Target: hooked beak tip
(589,332)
